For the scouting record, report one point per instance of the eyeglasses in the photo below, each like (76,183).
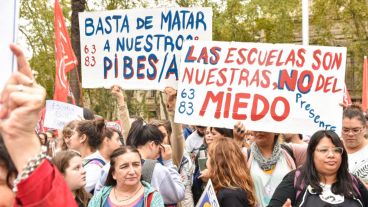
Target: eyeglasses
(334,150)
(355,131)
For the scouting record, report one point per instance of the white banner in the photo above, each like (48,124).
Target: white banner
(138,48)
(270,87)
(9,11)
(58,114)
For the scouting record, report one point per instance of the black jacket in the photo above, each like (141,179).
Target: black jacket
(287,190)
(232,198)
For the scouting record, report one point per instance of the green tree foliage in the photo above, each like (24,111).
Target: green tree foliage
(344,23)
(37,27)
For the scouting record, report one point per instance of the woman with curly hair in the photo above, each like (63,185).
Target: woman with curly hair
(230,175)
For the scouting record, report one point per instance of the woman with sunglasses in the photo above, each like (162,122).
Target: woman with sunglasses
(324,180)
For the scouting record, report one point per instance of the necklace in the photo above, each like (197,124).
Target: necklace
(127,197)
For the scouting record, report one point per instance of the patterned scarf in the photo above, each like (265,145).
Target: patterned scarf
(266,164)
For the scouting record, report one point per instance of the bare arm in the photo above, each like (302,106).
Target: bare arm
(177,137)
(122,109)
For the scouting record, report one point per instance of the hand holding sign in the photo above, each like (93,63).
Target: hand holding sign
(119,94)
(117,91)
(239,133)
(171,98)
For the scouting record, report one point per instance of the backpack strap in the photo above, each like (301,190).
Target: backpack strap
(97,161)
(289,150)
(302,185)
(149,199)
(184,161)
(355,184)
(147,169)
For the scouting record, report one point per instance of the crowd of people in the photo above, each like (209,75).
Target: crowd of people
(162,163)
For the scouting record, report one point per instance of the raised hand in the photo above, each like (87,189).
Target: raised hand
(240,133)
(166,152)
(116,90)
(171,98)
(21,101)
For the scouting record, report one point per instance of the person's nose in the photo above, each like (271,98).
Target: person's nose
(330,153)
(83,171)
(131,169)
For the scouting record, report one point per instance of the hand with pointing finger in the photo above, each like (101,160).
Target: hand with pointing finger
(21,101)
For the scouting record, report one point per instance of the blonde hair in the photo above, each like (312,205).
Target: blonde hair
(229,168)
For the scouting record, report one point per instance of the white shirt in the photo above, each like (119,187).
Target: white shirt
(358,163)
(193,143)
(329,197)
(266,184)
(93,170)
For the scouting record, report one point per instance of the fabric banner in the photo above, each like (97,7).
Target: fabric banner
(138,48)
(65,58)
(270,87)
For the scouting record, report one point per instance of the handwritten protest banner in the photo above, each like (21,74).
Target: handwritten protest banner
(269,87)
(208,197)
(58,114)
(138,48)
(8,31)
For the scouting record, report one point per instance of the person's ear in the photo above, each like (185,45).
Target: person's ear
(83,138)
(113,175)
(151,144)
(105,140)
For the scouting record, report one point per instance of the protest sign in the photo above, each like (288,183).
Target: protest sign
(138,48)
(8,31)
(269,87)
(208,197)
(58,114)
